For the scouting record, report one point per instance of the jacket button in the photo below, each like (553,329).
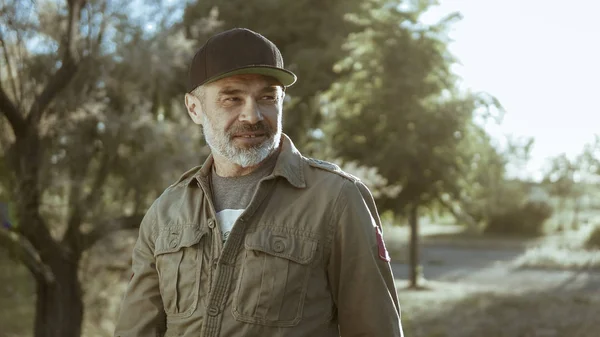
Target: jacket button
(211,223)
(278,246)
(173,243)
(213,311)
(215,263)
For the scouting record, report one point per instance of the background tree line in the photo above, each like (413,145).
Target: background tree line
(93,125)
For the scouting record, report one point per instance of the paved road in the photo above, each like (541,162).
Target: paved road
(494,268)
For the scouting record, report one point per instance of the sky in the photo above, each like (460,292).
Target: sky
(541,59)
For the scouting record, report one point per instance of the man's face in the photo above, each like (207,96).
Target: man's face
(241,117)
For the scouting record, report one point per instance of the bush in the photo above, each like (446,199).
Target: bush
(593,242)
(526,219)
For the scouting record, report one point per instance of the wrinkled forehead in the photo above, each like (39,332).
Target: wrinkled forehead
(246,83)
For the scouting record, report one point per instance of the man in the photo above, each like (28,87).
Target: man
(258,241)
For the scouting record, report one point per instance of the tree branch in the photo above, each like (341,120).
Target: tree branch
(105,228)
(459,214)
(103,25)
(21,81)
(103,171)
(26,196)
(25,252)
(80,204)
(88,38)
(33,227)
(12,114)
(68,69)
(9,68)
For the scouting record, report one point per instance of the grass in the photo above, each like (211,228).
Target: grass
(102,294)
(453,310)
(593,240)
(564,250)
(559,258)
(17,295)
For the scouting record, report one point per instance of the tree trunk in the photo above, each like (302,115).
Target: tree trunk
(576,210)
(414,246)
(561,214)
(59,307)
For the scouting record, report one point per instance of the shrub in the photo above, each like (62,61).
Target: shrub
(526,219)
(593,241)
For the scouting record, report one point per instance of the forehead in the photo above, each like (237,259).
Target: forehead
(246,82)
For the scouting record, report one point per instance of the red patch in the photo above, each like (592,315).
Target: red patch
(383,253)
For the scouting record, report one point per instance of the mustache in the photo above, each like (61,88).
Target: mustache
(246,127)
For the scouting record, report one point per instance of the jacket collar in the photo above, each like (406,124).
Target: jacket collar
(288,165)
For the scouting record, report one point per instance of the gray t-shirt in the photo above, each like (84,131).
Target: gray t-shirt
(231,195)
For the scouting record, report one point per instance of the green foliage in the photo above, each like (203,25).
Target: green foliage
(560,176)
(108,132)
(589,160)
(481,175)
(593,241)
(515,213)
(485,186)
(106,143)
(396,108)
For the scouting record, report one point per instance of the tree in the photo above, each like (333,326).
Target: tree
(585,173)
(396,107)
(561,179)
(84,133)
(477,189)
(590,160)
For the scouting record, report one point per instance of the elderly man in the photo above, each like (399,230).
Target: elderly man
(258,241)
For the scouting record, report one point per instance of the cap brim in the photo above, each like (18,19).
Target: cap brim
(285,77)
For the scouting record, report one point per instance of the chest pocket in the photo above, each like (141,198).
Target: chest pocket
(178,253)
(274,278)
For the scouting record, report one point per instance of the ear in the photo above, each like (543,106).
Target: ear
(194,108)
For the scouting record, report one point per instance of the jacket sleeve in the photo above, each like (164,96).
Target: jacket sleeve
(142,313)
(359,271)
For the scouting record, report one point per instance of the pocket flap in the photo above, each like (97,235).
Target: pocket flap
(285,245)
(175,238)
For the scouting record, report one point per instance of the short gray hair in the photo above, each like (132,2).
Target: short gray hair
(198,92)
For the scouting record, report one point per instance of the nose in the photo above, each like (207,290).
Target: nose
(251,112)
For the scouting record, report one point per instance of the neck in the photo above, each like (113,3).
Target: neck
(225,168)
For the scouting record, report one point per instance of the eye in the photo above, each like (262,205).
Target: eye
(269,98)
(233,99)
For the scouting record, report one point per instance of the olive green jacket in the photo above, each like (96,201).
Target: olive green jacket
(305,259)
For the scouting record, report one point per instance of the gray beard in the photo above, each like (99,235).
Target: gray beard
(222,145)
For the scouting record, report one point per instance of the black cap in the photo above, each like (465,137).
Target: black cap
(234,52)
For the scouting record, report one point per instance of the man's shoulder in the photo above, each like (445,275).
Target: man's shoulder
(330,168)
(177,189)
(186,177)
(170,198)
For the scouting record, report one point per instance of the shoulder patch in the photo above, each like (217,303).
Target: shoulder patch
(331,167)
(187,175)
